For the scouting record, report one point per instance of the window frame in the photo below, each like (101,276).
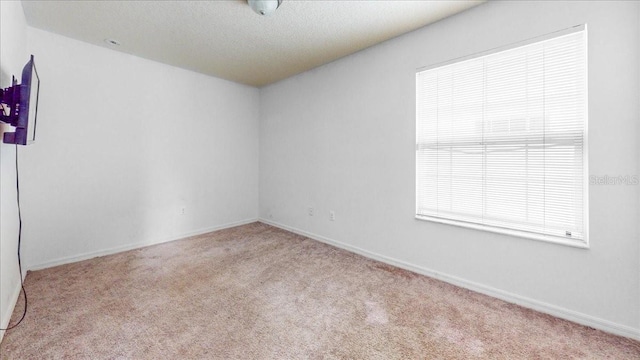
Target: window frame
(578,243)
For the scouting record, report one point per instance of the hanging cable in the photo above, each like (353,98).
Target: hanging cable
(24,292)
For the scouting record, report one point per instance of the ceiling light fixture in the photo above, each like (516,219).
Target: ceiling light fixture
(264,7)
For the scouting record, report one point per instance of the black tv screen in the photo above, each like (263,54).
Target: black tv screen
(30,77)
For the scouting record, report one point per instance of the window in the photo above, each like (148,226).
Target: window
(501,140)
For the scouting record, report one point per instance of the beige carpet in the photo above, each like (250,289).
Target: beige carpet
(257,292)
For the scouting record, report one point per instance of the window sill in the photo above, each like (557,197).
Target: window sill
(582,244)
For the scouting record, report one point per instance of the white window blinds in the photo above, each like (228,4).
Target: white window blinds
(500,141)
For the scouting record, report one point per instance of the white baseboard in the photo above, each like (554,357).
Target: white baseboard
(117,249)
(574,316)
(8,311)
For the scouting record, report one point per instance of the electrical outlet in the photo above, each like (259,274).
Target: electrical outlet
(310,211)
(183,210)
(332,215)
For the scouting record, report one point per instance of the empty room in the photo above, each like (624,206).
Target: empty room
(288,179)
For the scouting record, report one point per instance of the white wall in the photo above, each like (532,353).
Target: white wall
(341,137)
(13,56)
(122,144)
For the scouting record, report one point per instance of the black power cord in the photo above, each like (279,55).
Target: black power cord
(24,313)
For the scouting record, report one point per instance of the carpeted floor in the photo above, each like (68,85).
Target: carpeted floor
(258,292)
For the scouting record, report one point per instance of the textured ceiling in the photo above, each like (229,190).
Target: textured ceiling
(228,40)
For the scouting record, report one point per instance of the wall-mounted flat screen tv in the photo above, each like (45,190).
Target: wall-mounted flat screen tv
(20,106)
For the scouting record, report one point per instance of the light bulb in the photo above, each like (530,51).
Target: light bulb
(264,7)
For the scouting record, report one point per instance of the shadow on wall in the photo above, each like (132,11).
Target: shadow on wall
(5,81)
